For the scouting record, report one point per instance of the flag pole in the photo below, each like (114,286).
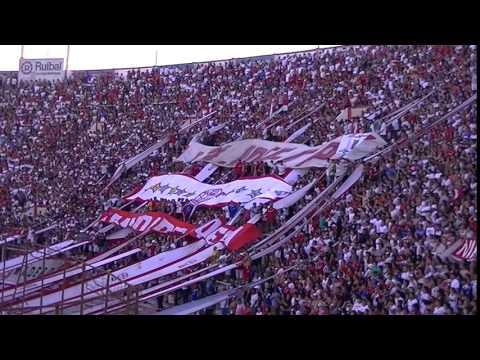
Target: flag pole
(22,48)
(67,60)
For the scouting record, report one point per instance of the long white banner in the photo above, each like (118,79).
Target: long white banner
(297,133)
(95,287)
(128,164)
(351,147)
(352,179)
(35,285)
(174,187)
(293,197)
(206,171)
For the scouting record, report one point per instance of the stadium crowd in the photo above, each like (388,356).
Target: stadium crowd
(379,251)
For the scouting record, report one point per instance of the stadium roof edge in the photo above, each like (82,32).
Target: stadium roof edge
(198,62)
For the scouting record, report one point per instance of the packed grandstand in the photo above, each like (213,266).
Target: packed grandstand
(336,181)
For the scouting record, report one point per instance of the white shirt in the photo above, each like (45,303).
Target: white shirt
(253,299)
(382,229)
(455,284)
(411,303)
(430,231)
(439,311)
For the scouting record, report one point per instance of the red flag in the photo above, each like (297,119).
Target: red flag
(242,237)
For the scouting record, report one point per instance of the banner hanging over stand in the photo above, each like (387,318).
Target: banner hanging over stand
(181,187)
(296,156)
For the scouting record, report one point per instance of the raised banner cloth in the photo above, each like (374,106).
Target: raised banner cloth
(297,133)
(214,231)
(206,171)
(351,147)
(352,179)
(152,221)
(175,187)
(293,197)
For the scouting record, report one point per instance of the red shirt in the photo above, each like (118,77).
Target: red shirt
(449,134)
(299,238)
(238,169)
(271,214)
(246,273)
(473,225)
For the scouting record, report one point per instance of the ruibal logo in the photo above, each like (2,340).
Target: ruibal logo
(27,67)
(38,66)
(48,66)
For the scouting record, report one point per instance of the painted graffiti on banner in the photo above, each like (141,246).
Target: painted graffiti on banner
(181,187)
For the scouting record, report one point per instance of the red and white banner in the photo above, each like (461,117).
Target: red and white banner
(235,239)
(467,251)
(151,221)
(163,264)
(202,231)
(174,187)
(351,147)
(212,232)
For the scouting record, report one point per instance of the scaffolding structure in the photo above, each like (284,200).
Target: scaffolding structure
(15,306)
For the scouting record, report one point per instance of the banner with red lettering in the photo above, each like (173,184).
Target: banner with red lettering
(152,221)
(155,267)
(213,232)
(351,147)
